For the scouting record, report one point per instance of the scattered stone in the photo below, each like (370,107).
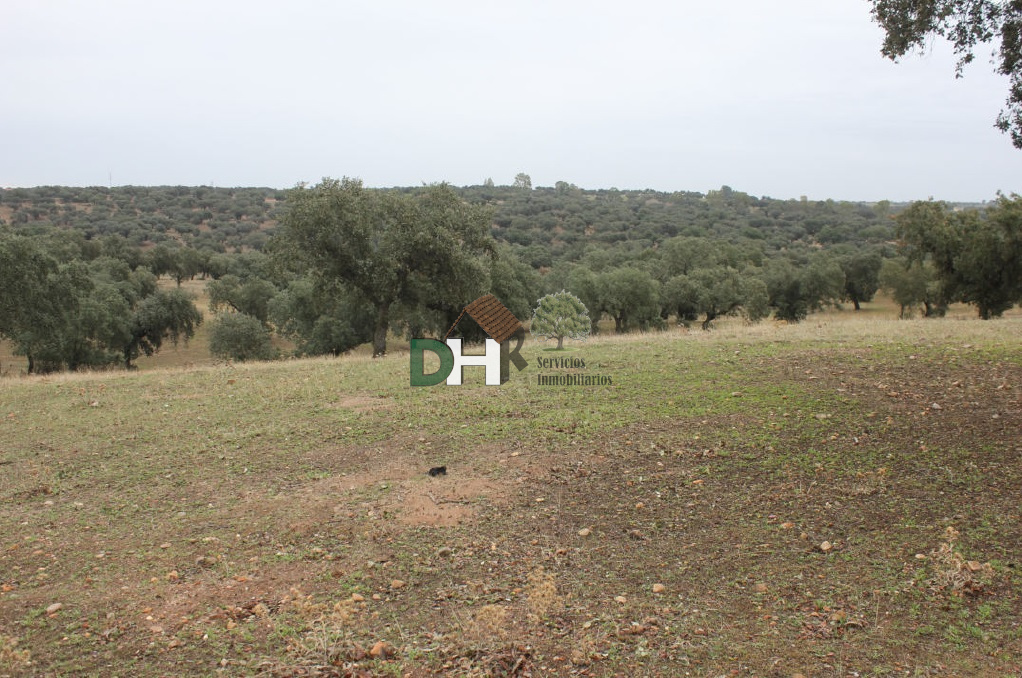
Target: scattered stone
(760,588)
(621,599)
(935,406)
(787,526)
(56,607)
(444,552)
(165,545)
(397,584)
(382,650)
(826,546)
(659,588)
(585,532)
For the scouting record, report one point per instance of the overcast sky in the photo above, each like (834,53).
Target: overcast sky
(782,98)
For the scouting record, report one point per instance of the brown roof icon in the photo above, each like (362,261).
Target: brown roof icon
(492,316)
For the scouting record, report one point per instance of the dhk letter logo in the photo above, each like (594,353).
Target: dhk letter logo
(498,323)
(495,360)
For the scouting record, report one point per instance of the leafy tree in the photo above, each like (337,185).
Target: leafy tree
(683,255)
(37,295)
(718,292)
(679,296)
(823,282)
(161,260)
(523,181)
(977,256)
(560,315)
(251,297)
(911,284)
(911,25)
(321,321)
(415,250)
(241,337)
(631,297)
(861,270)
(165,315)
(514,282)
(589,288)
(787,294)
(187,264)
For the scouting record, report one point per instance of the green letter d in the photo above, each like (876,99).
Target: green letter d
(443,351)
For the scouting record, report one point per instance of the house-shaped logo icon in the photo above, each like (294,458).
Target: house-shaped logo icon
(492,317)
(497,322)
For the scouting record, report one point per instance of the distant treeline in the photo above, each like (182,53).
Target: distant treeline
(543,224)
(644,259)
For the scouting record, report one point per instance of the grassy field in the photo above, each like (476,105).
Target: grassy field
(839,497)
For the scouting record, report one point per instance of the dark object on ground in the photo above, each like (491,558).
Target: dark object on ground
(437,471)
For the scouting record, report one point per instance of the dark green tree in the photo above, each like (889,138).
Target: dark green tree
(977,255)
(166,315)
(321,320)
(632,297)
(910,285)
(861,269)
(716,292)
(37,296)
(787,294)
(419,249)
(251,297)
(241,337)
(514,282)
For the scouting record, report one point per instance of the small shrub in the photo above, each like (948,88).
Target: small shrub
(237,336)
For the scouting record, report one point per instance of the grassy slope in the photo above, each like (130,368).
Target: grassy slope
(276,517)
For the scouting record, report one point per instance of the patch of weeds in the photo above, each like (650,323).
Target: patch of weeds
(954,574)
(541,594)
(11,658)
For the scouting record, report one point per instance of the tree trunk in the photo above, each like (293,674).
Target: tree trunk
(710,317)
(855,301)
(618,325)
(380,333)
(560,342)
(31,363)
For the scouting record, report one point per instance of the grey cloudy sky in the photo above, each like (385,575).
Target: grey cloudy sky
(777,98)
